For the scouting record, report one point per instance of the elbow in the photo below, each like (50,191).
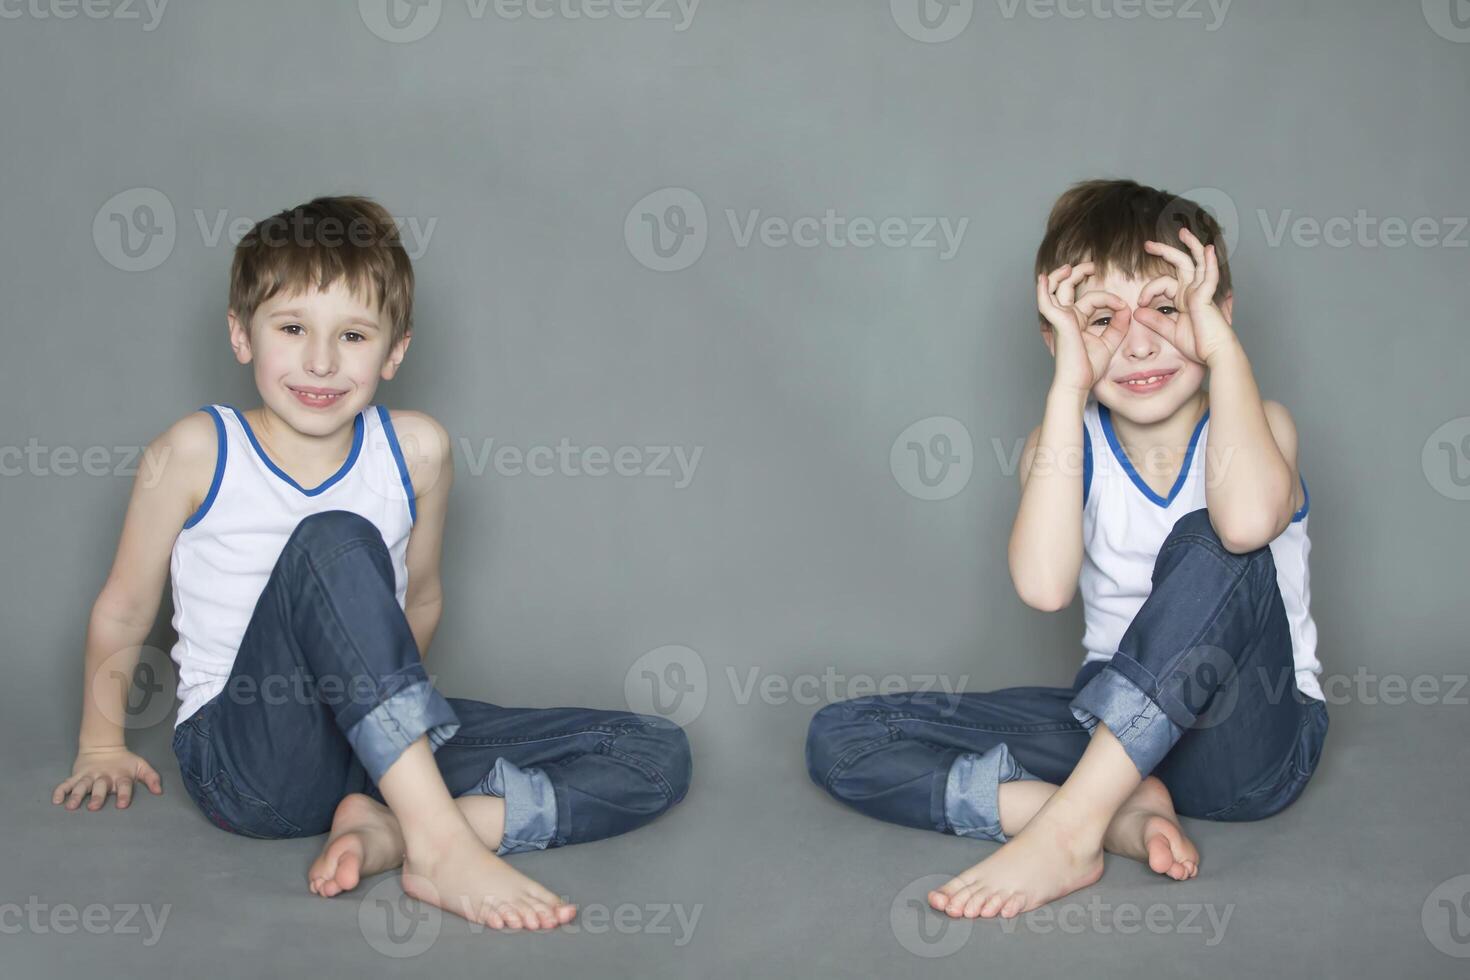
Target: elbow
(1046,599)
(1244,536)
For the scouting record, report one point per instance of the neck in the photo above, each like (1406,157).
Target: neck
(290,445)
(1172,433)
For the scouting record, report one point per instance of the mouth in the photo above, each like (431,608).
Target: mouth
(317,397)
(1143,383)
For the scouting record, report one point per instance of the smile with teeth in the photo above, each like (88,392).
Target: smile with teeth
(1152,381)
(316,399)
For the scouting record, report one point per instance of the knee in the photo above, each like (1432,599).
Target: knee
(329,528)
(834,732)
(663,748)
(1195,531)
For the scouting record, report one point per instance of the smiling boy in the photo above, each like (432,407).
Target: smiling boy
(1179,513)
(303,540)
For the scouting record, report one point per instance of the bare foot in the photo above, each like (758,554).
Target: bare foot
(1147,829)
(465,878)
(1048,859)
(365,839)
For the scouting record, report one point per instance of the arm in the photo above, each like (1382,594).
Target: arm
(1045,550)
(1251,484)
(427,453)
(163,497)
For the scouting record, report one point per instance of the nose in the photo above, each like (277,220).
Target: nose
(1141,342)
(321,356)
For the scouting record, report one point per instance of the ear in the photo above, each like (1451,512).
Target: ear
(1049,337)
(395,357)
(1227,307)
(239,338)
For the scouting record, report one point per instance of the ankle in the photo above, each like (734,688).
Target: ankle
(1077,823)
(427,844)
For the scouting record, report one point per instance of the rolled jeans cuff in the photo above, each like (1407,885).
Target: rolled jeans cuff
(530,805)
(1136,720)
(396,722)
(972,792)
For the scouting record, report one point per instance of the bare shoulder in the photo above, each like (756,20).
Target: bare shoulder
(425,444)
(184,455)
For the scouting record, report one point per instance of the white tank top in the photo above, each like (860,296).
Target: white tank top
(227,548)
(1124,524)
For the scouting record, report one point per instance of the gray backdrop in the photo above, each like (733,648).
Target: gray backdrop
(527,149)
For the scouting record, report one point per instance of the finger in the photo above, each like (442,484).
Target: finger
(64,787)
(1162,286)
(78,793)
(1067,289)
(151,779)
(1174,257)
(1196,248)
(124,792)
(1113,334)
(1054,278)
(1097,299)
(1060,321)
(99,793)
(1212,274)
(1157,322)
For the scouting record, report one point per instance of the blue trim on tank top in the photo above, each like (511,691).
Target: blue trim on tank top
(1086,464)
(357,427)
(1306,502)
(413,511)
(1106,416)
(219,466)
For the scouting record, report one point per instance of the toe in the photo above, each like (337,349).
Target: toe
(955,905)
(1013,907)
(544,915)
(991,905)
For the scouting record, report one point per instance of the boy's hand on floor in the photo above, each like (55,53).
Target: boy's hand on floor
(1197,328)
(1088,328)
(103,770)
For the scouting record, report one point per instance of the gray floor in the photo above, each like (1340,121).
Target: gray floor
(759,874)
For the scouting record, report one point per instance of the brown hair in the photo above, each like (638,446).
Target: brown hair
(1107,222)
(316,244)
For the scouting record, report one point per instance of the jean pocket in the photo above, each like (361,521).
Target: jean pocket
(239,812)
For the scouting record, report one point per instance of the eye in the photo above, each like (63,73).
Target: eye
(291,326)
(354,333)
(1167,310)
(1102,321)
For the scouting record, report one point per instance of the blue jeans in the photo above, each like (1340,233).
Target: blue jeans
(328,689)
(1200,693)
